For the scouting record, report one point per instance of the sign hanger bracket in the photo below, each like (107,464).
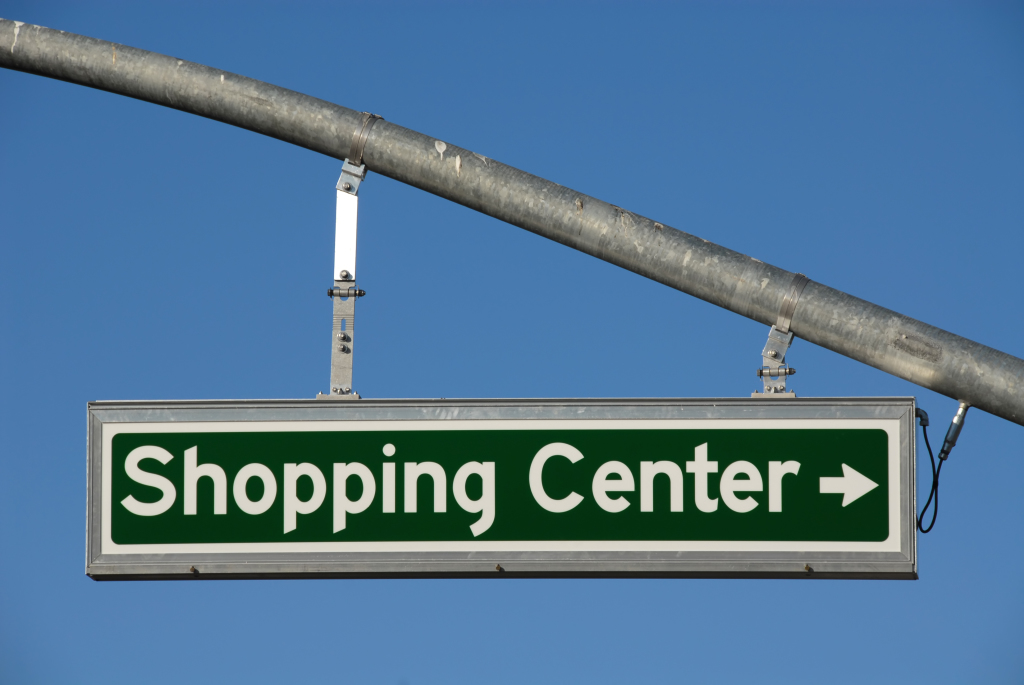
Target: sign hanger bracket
(773,370)
(344,293)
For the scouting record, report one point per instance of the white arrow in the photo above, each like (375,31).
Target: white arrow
(852,485)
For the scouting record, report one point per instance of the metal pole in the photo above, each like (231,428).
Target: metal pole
(930,357)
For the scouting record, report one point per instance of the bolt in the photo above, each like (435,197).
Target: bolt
(347,186)
(773,354)
(345,275)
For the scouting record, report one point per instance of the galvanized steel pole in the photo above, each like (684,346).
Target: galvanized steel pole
(930,357)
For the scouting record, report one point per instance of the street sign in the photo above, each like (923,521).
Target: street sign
(757,487)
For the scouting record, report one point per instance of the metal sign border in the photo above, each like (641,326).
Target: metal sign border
(864,565)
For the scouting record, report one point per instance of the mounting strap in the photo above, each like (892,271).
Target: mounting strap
(788,308)
(355,153)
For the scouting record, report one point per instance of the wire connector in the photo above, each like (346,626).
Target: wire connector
(947,446)
(954,431)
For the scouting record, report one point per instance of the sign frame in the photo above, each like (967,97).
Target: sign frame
(901,564)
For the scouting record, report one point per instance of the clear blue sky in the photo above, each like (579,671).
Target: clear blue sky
(150,254)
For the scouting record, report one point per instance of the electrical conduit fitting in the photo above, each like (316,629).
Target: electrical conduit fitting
(955,426)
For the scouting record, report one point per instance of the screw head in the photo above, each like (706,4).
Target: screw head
(773,354)
(347,186)
(344,275)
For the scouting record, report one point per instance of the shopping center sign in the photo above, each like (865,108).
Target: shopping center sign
(746,488)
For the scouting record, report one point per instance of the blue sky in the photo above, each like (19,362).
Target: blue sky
(150,254)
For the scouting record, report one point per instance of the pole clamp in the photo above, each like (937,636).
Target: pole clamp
(774,370)
(788,308)
(353,171)
(355,153)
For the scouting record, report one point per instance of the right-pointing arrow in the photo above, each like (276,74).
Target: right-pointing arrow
(852,485)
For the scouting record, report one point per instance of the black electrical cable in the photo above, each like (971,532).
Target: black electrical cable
(934,494)
(955,426)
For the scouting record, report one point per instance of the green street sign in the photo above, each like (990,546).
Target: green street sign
(750,487)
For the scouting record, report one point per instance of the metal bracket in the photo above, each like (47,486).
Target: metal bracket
(345,293)
(774,370)
(346,221)
(351,176)
(342,340)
